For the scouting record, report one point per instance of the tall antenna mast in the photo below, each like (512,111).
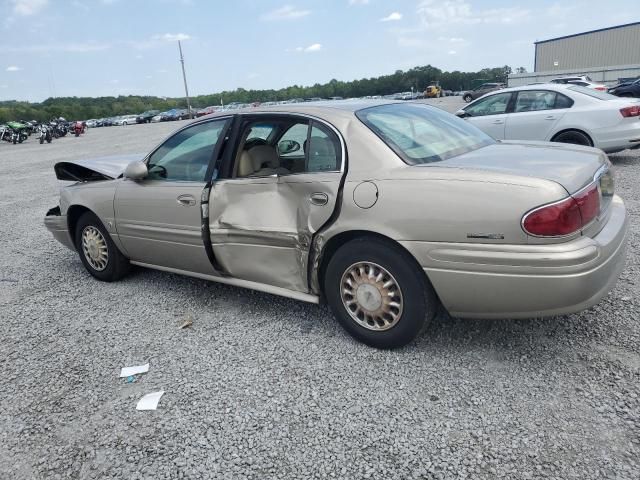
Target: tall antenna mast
(184,77)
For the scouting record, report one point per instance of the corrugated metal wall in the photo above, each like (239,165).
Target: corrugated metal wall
(617,46)
(607,75)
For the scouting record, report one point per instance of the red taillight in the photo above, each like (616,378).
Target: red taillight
(602,89)
(554,220)
(565,217)
(633,111)
(589,203)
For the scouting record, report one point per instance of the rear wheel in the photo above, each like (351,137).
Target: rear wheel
(378,293)
(574,137)
(98,253)
(467,98)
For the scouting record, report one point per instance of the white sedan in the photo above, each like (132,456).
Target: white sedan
(558,113)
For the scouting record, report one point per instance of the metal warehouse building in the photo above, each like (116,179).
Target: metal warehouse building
(606,55)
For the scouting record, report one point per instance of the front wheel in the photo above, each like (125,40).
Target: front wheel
(41,140)
(467,98)
(378,293)
(98,253)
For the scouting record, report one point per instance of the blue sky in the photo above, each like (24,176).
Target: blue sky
(120,47)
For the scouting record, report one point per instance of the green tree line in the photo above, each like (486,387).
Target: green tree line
(74,108)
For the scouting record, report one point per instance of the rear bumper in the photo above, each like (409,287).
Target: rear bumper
(526,281)
(621,137)
(57,225)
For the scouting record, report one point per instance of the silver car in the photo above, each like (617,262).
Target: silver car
(385,210)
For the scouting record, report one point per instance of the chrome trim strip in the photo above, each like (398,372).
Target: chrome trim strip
(236,282)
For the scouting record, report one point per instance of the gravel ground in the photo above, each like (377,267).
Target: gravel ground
(265,387)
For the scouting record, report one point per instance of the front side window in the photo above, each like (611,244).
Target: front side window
(493,105)
(186,155)
(421,134)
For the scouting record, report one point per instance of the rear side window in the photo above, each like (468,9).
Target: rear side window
(562,101)
(421,134)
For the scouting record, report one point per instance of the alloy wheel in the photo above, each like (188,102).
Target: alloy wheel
(371,296)
(94,247)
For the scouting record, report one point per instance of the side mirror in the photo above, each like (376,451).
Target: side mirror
(462,114)
(136,171)
(288,146)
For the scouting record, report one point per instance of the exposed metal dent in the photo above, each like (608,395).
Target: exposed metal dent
(283,292)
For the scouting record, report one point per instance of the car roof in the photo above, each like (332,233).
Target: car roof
(329,107)
(537,86)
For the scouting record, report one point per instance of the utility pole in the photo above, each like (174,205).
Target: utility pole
(184,77)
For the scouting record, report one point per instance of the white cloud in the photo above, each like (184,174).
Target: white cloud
(28,7)
(315,47)
(444,13)
(285,13)
(13,68)
(358,2)
(172,37)
(392,17)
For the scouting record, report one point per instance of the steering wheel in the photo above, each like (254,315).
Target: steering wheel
(254,142)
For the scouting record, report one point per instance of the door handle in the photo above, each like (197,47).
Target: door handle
(186,200)
(319,198)
(550,117)
(498,122)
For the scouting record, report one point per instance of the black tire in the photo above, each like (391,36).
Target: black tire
(41,140)
(418,299)
(467,98)
(117,265)
(77,134)
(574,137)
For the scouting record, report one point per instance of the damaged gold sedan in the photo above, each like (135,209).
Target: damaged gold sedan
(384,210)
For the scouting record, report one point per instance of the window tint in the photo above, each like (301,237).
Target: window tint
(322,150)
(186,155)
(534,100)
(422,134)
(493,105)
(296,133)
(562,101)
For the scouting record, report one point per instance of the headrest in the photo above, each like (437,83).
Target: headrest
(263,156)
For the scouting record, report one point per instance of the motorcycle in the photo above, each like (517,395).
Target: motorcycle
(44,133)
(5,133)
(19,132)
(78,128)
(59,127)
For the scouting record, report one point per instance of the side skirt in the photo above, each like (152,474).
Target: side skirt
(261,287)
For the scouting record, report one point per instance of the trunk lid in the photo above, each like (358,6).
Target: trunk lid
(101,168)
(571,166)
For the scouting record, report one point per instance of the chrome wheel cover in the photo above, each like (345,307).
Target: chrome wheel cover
(94,247)
(371,296)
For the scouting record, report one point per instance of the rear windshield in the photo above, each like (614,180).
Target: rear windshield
(593,93)
(421,134)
